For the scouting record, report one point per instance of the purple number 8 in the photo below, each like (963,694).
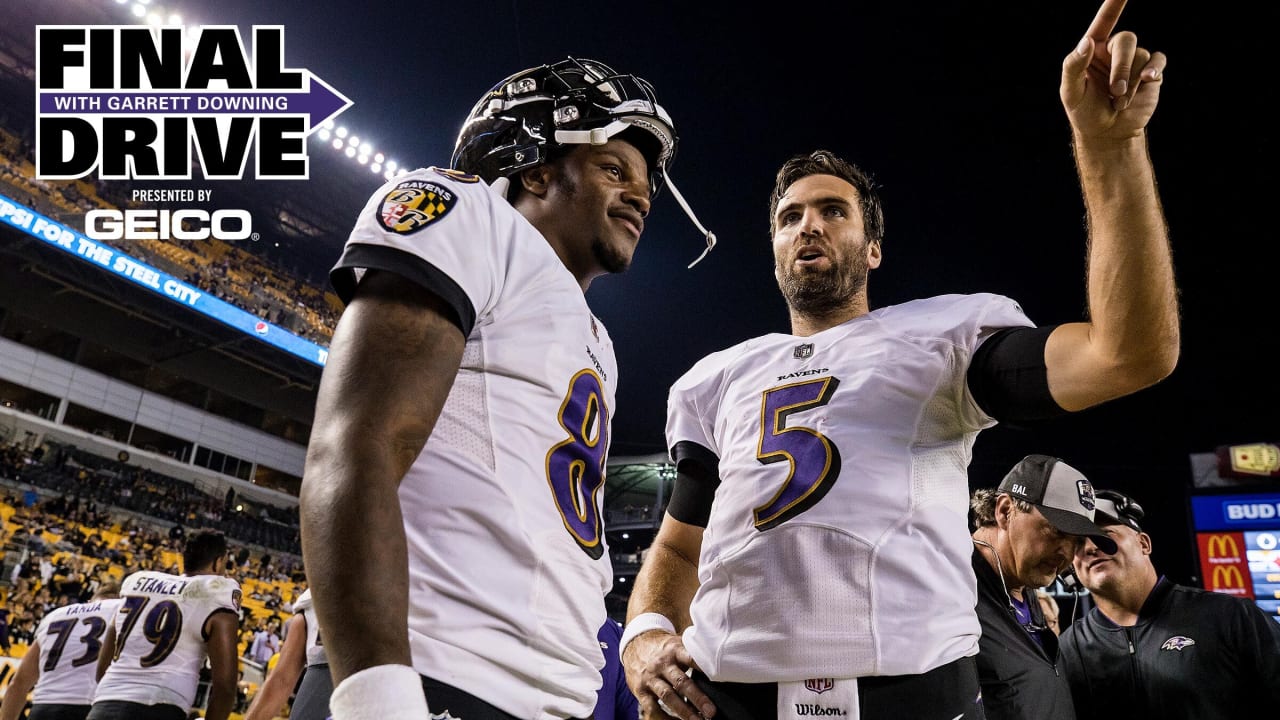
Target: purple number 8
(575,467)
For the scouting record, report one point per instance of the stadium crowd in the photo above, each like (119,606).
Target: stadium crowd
(61,545)
(231,273)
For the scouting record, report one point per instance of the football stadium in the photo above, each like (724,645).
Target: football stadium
(162,351)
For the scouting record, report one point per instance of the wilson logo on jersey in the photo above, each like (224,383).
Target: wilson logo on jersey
(413,205)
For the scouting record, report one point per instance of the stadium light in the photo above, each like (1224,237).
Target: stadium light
(366,147)
(376,168)
(341,132)
(353,141)
(138,11)
(378,158)
(337,144)
(325,134)
(175,19)
(391,165)
(350,151)
(363,159)
(154,20)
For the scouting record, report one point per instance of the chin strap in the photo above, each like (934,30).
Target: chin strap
(503,186)
(710,236)
(600,136)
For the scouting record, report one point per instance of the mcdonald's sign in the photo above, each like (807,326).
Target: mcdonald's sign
(1229,580)
(1223,563)
(1223,547)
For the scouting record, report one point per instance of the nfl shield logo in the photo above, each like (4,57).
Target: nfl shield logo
(803,351)
(819,685)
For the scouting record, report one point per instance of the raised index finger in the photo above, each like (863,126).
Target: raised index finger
(1105,21)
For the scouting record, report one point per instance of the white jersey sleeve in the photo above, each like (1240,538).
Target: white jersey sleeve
(160,640)
(70,640)
(843,463)
(315,647)
(504,501)
(437,228)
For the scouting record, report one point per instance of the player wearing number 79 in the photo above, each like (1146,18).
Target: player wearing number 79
(166,625)
(815,557)
(62,661)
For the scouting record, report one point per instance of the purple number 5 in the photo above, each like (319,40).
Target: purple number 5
(575,467)
(814,462)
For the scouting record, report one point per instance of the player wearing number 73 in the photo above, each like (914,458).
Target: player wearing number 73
(62,661)
(815,556)
(166,625)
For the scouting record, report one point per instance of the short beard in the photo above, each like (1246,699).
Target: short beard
(612,259)
(823,294)
(609,258)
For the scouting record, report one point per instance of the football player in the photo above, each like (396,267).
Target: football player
(302,656)
(814,559)
(62,662)
(165,628)
(451,518)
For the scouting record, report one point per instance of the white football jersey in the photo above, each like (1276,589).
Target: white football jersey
(508,566)
(838,542)
(315,646)
(160,643)
(70,639)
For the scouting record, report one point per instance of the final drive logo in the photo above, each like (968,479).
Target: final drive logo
(133,102)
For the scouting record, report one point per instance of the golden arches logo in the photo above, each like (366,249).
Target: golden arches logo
(1227,577)
(1218,544)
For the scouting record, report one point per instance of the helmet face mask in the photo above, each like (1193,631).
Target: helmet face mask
(533,115)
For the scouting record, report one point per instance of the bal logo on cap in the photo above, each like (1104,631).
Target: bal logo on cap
(1061,493)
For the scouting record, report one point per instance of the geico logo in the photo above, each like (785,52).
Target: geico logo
(164,224)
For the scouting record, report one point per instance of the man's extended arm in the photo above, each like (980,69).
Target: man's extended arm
(654,662)
(15,696)
(276,689)
(1110,88)
(392,362)
(222,630)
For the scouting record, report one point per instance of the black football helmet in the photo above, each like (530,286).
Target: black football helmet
(524,119)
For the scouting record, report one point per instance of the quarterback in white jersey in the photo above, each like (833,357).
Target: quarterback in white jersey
(165,628)
(62,661)
(463,421)
(842,458)
(814,559)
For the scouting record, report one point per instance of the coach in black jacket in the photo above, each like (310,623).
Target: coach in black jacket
(1151,648)
(1027,532)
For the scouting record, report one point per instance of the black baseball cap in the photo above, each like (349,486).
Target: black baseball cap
(1061,493)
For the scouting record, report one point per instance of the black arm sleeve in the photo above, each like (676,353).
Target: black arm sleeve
(1008,377)
(697,477)
(406,265)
